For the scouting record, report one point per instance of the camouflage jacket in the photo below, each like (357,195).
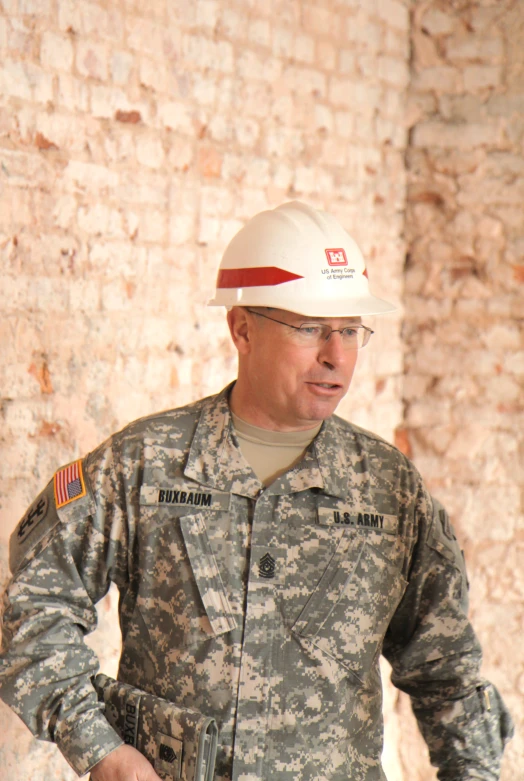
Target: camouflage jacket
(266,608)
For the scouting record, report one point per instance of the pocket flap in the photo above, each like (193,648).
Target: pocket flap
(207,575)
(330,586)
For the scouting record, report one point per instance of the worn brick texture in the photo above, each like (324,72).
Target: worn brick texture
(136,138)
(464,312)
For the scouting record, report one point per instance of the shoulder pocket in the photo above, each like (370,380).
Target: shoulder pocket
(441,536)
(66,498)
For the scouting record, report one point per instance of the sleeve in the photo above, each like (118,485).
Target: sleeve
(63,555)
(435,658)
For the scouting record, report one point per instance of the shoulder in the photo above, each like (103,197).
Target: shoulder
(116,467)
(106,475)
(388,469)
(354,436)
(165,423)
(175,427)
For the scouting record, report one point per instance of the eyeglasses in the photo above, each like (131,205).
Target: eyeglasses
(354,337)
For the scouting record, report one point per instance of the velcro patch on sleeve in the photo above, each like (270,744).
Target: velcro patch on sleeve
(39,519)
(69,484)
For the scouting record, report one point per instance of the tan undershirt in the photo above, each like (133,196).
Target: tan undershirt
(271,453)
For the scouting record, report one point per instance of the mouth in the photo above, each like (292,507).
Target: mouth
(325,388)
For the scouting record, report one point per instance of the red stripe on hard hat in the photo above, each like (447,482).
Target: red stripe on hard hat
(262,276)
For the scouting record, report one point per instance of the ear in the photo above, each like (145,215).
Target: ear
(240,329)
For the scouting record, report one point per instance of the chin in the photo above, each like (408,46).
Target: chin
(320,412)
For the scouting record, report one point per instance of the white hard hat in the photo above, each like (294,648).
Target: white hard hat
(299,259)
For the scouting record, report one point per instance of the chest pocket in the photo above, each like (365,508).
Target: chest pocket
(348,612)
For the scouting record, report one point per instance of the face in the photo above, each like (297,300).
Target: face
(283,385)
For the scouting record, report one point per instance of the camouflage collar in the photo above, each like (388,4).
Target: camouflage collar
(331,448)
(215,458)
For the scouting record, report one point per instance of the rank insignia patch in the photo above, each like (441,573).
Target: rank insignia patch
(266,566)
(69,484)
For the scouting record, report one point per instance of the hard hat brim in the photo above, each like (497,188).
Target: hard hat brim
(348,307)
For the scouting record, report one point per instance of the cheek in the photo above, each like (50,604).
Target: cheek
(352,362)
(271,367)
(292,366)
(282,377)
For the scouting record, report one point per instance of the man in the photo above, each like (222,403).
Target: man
(266,552)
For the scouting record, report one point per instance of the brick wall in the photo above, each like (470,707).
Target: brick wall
(464,311)
(135,139)
(133,146)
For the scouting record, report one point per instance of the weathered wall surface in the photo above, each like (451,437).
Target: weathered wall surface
(464,310)
(135,139)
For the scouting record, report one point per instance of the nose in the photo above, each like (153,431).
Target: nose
(332,353)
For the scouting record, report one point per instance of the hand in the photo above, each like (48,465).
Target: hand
(124,764)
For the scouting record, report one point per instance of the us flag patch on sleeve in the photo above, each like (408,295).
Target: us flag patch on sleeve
(69,484)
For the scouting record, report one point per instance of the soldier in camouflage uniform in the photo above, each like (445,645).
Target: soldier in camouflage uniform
(260,597)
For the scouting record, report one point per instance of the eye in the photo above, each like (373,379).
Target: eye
(350,332)
(311,330)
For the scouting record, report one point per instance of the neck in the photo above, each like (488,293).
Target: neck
(240,402)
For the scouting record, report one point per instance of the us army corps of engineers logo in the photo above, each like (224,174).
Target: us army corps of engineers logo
(336,257)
